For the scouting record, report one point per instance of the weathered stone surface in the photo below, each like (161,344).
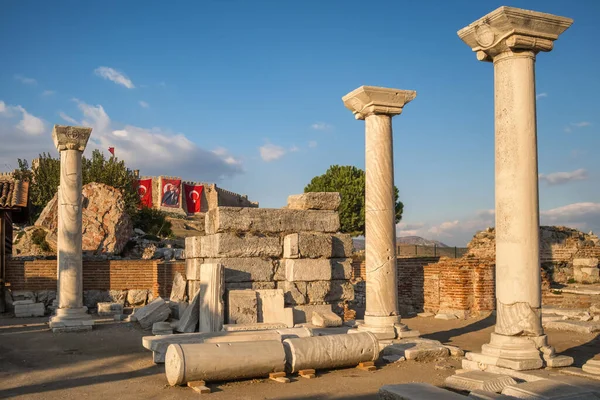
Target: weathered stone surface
(592,367)
(178,291)
(341,268)
(485,395)
(417,349)
(162,328)
(242,307)
(548,389)
(190,318)
(573,326)
(91,298)
(193,247)
(156,311)
(240,245)
(106,226)
(247,269)
(193,287)
(46,297)
(249,285)
(479,380)
(294,293)
(317,245)
(266,220)
(326,319)
(177,309)
(585,262)
(340,291)
(303,314)
(137,297)
(117,296)
(416,391)
(314,201)
(270,306)
(259,326)
(211,297)
(29,310)
(110,309)
(317,291)
(17,295)
(307,270)
(192,268)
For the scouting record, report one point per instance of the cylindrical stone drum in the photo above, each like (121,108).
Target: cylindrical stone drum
(332,351)
(223,361)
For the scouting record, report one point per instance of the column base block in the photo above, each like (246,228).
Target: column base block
(517,365)
(387,328)
(527,376)
(71,320)
(592,367)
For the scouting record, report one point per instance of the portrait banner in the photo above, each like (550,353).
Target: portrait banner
(144,189)
(193,197)
(170,192)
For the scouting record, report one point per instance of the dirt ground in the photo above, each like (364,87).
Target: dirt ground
(110,363)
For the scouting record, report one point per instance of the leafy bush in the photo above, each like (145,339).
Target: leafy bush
(152,222)
(38,237)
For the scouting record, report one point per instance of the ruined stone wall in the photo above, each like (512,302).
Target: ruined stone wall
(295,249)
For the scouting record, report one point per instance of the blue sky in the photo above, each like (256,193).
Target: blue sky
(248,94)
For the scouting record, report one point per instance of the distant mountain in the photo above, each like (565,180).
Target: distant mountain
(359,244)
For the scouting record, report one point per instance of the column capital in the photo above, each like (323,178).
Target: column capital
(70,137)
(509,30)
(369,100)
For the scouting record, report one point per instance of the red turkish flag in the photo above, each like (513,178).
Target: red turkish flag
(111,150)
(144,189)
(193,197)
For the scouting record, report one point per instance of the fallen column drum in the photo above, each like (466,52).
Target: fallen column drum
(332,351)
(223,361)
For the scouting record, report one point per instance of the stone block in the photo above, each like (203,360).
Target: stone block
(137,297)
(250,285)
(307,270)
(91,298)
(326,319)
(573,326)
(270,306)
(592,367)
(416,391)
(288,314)
(190,318)
(484,395)
(585,262)
(156,311)
(317,245)
(212,290)
(46,297)
(193,247)
(303,314)
(162,328)
(17,295)
(417,349)
(455,351)
(558,361)
(266,220)
(341,268)
(247,269)
(479,380)
(193,287)
(192,268)
(242,307)
(259,326)
(340,291)
(117,296)
(548,389)
(178,290)
(317,291)
(314,201)
(586,274)
(445,316)
(106,309)
(22,302)
(177,308)
(294,293)
(240,245)
(28,310)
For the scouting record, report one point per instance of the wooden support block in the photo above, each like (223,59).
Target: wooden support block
(307,373)
(367,366)
(279,377)
(199,387)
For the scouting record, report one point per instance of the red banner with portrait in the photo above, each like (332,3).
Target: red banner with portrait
(170,193)
(144,189)
(193,197)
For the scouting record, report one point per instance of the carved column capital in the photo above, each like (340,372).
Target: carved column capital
(370,100)
(70,137)
(509,31)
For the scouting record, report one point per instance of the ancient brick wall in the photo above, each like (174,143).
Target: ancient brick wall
(97,275)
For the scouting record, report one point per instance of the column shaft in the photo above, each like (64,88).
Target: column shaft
(518,277)
(380,232)
(70,272)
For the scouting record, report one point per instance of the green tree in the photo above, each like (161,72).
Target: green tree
(349,181)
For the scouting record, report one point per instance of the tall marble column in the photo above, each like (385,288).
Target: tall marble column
(71,314)
(511,38)
(377,106)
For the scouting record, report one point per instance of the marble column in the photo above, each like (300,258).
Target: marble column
(511,38)
(377,106)
(71,314)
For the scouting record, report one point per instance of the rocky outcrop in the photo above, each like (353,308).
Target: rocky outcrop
(106,226)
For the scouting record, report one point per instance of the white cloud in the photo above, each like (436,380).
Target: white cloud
(294,149)
(115,76)
(29,124)
(270,152)
(48,93)
(540,95)
(404,229)
(568,130)
(312,144)
(224,154)
(25,80)
(557,178)
(321,126)
(581,124)
(444,228)
(2,107)
(143,104)
(155,151)
(583,216)
(68,119)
